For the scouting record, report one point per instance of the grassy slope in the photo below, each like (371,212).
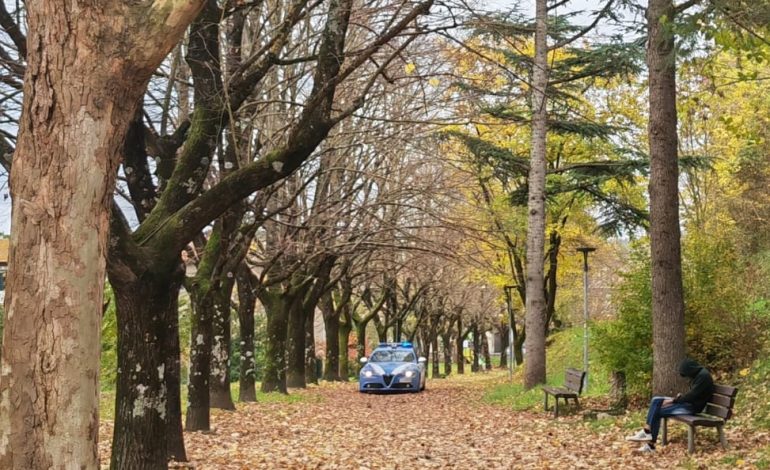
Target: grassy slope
(565,350)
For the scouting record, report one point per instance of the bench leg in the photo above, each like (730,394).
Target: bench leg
(664,437)
(556,410)
(690,439)
(722,438)
(546,401)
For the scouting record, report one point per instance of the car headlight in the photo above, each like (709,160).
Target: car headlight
(409,374)
(367,373)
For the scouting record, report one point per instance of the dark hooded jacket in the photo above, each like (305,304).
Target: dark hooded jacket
(701,385)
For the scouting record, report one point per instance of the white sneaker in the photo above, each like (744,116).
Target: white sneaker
(645,449)
(641,436)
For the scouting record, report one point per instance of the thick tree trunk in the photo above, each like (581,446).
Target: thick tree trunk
(219,385)
(146,337)
(311,377)
(435,356)
(246,303)
(361,340)
(668,329)
(274,377)
(173,375)
(485,351)
(201,335)
(504,343)
(87,68)
(332,327)
(459,347)
(295,353)
(475,366)
(446,341)
(536,304)
(346,326)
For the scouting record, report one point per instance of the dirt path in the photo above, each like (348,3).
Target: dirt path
(447,426)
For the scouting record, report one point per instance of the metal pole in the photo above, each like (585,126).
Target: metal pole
(510,332)
(585,251)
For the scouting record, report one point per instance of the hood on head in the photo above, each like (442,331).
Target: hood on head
(689,368)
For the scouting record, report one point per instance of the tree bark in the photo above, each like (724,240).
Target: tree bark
(87,68)
(346,326)
(459,347)
(504,343)
(332,327)
(143,416)
(295,353)
(446,341)
(668,330)
(219,385)
(274,377)
(310,360)
(475,365)
(201,335)
(246,303)
(435,356)
(536,304)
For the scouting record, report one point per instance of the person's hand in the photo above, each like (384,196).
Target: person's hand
(668,402)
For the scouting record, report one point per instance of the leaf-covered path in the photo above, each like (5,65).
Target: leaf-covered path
(447,426)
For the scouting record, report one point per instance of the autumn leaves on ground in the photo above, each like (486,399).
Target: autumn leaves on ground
(450,425)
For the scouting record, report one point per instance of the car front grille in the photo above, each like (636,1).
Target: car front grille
(387,379)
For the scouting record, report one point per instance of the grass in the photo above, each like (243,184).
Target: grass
(565,350)
(107,399)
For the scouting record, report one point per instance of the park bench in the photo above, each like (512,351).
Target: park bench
(718,410)
(573,386)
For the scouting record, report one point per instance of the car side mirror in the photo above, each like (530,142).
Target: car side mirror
(363,360)
(422,360)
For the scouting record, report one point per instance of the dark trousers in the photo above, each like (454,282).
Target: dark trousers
(657,412)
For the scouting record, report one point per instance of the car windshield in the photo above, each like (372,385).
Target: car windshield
(384,355)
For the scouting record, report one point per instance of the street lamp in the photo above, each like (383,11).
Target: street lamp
(585,250)
(511,330)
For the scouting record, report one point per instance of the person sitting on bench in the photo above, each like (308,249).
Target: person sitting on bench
(692,402)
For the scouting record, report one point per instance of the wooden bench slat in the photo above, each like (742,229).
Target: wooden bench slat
(722,412)
(722,400)
(725,390)
(699,420)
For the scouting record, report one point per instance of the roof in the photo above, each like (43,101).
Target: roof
(4,244)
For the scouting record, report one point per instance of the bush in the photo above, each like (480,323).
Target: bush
(726,319)
(625,343)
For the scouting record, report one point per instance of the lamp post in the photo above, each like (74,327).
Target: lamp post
(585,250)
(511,330)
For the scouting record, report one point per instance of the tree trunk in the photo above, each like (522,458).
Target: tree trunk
(435,356)
(274,377)
(668,329)
(146,333)
(310,360)
(446,341)
(536,305)
(504,343)
(485,351)
(361,340)
(618,391)
(173,375)
(219,386)
(246,303)
(295,353)
(332,327)
(86,73)
(459,347)
(201,336)
(346,326)
(475,366)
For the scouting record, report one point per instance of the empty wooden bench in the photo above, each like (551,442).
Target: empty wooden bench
(573,387)
(718,410)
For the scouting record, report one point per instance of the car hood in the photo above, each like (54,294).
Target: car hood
(390,368)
